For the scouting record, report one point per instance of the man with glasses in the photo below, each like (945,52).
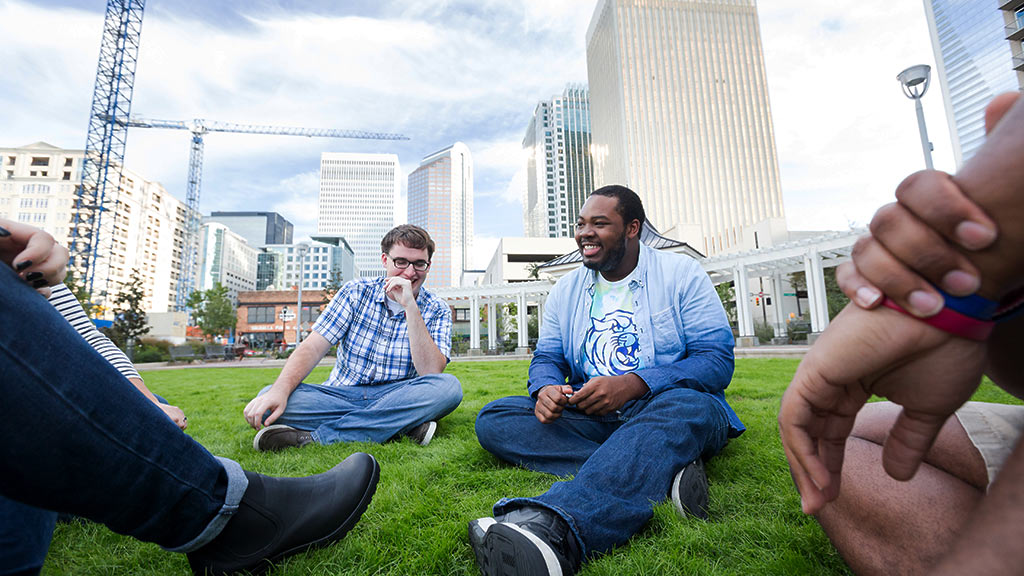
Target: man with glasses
(393,341)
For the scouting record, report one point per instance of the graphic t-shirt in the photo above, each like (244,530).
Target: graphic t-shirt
(611,346)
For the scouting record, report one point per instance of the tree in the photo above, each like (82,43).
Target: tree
(727,295)
(81,294)
(331,287)
(833,295)
(130,322)
(533,271)
(212,310)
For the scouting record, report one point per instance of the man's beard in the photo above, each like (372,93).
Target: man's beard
(612,261)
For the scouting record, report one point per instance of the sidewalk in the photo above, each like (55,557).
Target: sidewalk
(789,351)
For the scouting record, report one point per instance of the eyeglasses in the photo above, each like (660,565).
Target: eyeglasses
(402,264)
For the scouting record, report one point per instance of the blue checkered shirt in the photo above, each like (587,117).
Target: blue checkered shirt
(373,344)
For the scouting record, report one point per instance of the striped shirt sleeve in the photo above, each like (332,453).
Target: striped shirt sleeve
(65,302)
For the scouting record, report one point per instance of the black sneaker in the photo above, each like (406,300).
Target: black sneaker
(279,436)
(275,518)
(689,491)
(528,541)
(423,433)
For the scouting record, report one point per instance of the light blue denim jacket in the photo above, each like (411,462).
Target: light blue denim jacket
(685,339)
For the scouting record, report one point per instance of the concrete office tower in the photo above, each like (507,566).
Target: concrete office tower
(679,113)
(225,258)
(974,64)
(37,187)
(258,228)
(441,202)
(357,201)
(559,171)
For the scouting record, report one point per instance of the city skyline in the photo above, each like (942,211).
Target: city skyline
(445,72)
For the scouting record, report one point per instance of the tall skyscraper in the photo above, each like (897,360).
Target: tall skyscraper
(679,113)
(974,64)
(441,202)
(357,201)
(258,228)
(559,171)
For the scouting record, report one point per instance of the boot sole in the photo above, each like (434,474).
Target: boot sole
(342,530)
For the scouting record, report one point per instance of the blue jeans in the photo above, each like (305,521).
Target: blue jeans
(623,462)
(373,413)
(87,443)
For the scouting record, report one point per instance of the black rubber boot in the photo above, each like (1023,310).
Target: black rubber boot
(278,517)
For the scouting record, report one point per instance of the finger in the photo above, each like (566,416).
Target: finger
(37,250)
(936,199)
(924,250)
(856,288)
(998,108)
(909,440)
(880,268)
(273,416)
(811,497)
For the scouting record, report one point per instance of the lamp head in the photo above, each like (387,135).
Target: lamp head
(915,80)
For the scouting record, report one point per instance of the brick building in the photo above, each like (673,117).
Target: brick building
(259,316)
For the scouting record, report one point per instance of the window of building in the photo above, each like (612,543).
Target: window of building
(261,314)
(67,161)
(40,161)
(10,160)
(67,176)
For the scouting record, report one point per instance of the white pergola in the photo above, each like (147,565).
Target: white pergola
(812,255)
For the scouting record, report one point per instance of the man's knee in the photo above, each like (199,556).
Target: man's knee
(497,422)
(449,390)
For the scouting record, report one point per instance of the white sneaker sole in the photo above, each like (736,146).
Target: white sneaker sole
(264,430)
(431,428)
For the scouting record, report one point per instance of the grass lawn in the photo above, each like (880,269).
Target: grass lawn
(417,521)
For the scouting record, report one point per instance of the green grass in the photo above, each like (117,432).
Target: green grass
(417,521)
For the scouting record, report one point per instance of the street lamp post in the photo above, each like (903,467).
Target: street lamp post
(300,251)
(914,81)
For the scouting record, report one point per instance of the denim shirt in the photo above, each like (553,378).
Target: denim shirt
(685,338)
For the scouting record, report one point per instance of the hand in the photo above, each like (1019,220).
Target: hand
(928,372)
(33,254)
(605,394)
(918,235)
(551,401)
(175,414)
(272,400)
(400,290)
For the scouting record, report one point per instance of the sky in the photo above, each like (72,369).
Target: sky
(441,71)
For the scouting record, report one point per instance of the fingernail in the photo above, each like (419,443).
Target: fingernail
(924,304)
(32,276)
(39,283)
(4,232)
(22,265)
(867,296)
(974,236)
(960,283)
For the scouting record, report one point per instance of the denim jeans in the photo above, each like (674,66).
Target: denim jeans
(623,462)
(82,440)
(374,413)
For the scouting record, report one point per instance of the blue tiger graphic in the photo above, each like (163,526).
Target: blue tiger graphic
(611,344)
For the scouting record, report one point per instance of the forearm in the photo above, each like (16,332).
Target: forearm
(141,387)
(707,367)
(426,356)
(301,362)
(547,368)
(990,542)
(991,178)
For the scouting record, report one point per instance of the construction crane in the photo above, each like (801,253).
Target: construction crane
(91,233)
(200,128)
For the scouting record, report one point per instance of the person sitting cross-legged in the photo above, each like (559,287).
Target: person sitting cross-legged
(393,341)
(626,393)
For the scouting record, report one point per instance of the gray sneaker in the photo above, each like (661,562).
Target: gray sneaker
(689,491)
(423,433)
(278,437)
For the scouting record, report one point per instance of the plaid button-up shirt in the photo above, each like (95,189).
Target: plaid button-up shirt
(373,343)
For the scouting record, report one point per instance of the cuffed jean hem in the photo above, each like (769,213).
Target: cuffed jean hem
(237,484)
(506,505)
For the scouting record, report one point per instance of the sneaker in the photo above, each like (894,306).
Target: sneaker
(527,541)
(275,519)
(279,436)
(690,491)
(423,433)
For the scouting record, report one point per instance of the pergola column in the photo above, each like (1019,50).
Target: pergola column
(744,318)
(474,325)
(780,313)
(492,322)
(815,275)
(524,341)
